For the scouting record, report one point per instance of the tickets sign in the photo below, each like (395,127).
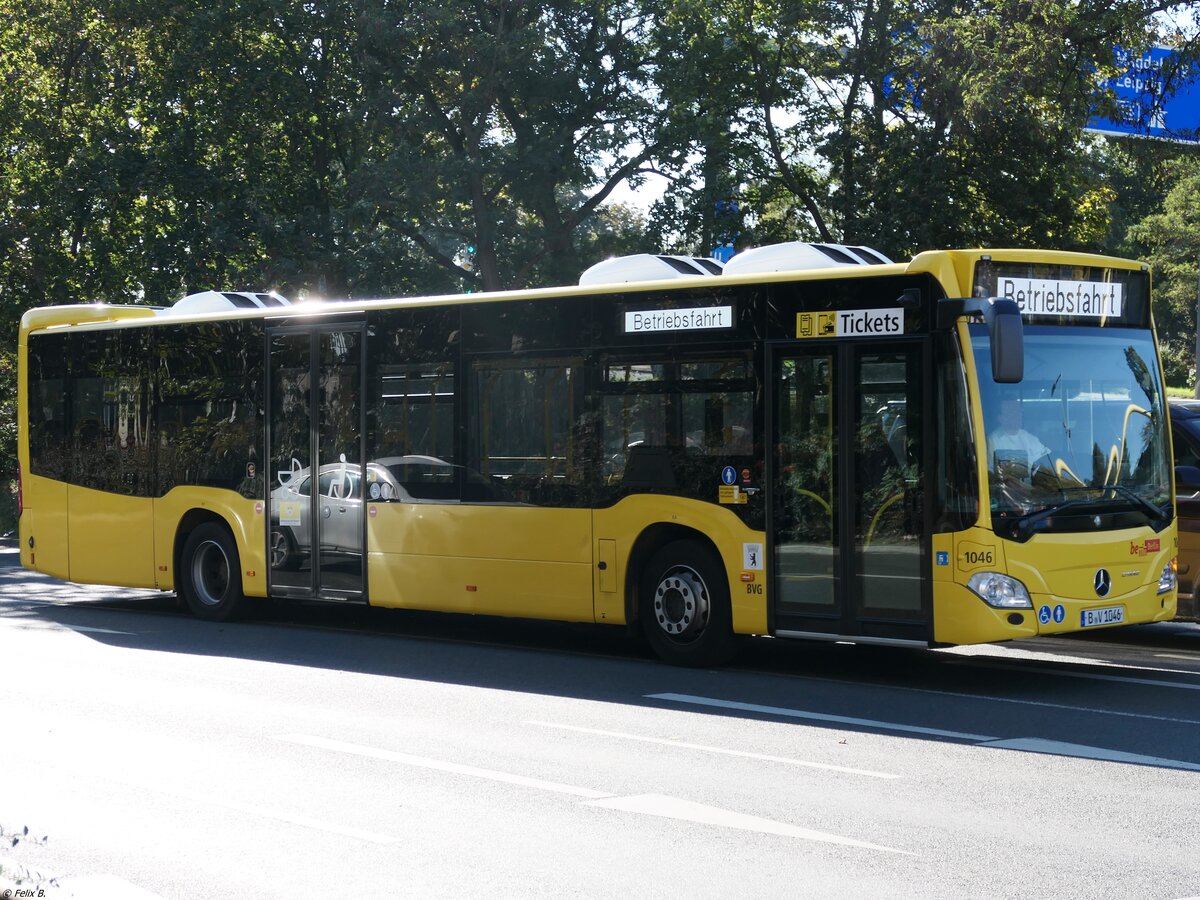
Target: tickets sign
(844,323)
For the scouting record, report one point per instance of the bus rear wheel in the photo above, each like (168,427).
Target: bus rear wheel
(210,573)
(684,606)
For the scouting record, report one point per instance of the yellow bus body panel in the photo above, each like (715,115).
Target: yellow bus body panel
(44,520)
(540,563)
(624,522)
(245,520)
(94,537)
(493,560)
(110,538)
(1057,570)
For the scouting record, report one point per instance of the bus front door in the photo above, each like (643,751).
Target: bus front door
(847,509)
(316,449)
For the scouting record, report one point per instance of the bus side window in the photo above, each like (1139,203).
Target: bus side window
(526,430)
(666,424)
(48,401)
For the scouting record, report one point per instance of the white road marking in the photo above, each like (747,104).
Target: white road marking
(373,837)
(1149,682)
(62,626)
(976,654)
(674,808)
(742,753)
(441,765)
(1060,748)
(1029,744)
(645,804)
(1042,703)
(818,717)
(1190,657)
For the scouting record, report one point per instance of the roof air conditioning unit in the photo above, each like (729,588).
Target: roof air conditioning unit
(224,301)
(796,255)
(649,267)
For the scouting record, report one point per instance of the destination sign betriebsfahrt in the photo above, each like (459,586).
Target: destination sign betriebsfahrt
(638,321)
(1044,297)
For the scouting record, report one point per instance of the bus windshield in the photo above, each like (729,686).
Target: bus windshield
(1086,427)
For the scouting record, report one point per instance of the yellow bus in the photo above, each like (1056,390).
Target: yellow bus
(811,442)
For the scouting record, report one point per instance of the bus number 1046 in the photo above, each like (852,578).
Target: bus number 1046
(977,557)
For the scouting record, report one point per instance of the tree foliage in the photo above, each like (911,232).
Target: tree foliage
(904,124)
(1170,239)
(365,147)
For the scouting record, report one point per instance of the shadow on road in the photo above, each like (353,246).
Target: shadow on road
(1065,691)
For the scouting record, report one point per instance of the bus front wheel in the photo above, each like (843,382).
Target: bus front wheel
(210,573)
(684,606)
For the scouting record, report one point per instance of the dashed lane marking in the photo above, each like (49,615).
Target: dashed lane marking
(441,765)
(1082,751)
(786,712)
(765,757)
(1026,744)
(686,810)
(644,804)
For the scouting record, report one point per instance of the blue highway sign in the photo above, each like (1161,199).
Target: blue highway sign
(1157,96)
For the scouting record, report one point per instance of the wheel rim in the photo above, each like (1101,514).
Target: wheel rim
(279,549)
(210,573)
(681,604)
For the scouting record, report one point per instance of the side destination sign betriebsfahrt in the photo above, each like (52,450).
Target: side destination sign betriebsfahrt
(638,321)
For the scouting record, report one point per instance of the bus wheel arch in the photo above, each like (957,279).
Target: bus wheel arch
(208,573)
(677,589)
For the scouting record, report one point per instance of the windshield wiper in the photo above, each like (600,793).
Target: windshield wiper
(1156,512)
(1024,527)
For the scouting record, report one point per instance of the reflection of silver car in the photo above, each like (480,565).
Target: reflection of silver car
(340,490)
(339,503)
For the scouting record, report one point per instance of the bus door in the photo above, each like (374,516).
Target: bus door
(315,446)
(847,510)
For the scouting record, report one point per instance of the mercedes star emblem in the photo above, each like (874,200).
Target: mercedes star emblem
(1103,582)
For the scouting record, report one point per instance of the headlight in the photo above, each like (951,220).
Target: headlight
(1167,580)
(1000,591)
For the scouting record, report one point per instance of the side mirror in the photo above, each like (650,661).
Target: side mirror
(1006,332)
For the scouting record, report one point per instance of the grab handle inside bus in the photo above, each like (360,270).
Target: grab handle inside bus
(1006,332)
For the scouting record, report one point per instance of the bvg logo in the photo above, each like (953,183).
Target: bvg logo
(1150,545)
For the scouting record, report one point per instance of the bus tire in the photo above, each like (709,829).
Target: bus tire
(684,606)
(210,573)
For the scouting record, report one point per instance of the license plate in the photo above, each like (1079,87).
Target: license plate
(1108,615)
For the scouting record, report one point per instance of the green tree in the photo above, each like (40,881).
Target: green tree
(908,124)
(504,127)
(69,210)
(1170,240)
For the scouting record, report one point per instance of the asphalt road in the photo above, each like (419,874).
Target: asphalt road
(332,751)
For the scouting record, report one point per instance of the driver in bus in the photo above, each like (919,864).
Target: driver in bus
(1011,444)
